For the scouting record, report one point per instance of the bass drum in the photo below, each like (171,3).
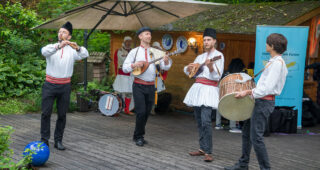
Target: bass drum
(230,107)
(110,104)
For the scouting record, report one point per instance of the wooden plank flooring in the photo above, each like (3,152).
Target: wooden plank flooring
(94,141)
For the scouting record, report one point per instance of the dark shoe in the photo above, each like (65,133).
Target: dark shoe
(139,142)
(197,153)
(59,145)
(144,141)
(237,166)
(45,142)
(208,158)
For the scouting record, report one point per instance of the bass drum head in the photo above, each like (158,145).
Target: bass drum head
(109,104)
(236,109)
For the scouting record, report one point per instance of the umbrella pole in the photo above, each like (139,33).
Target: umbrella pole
(86,42)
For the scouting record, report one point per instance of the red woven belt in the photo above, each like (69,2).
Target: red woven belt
(269,97)
(207,81)
(140,81)
(58,80)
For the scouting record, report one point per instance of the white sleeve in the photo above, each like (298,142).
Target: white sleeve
(266,87)
(185,69)
(81,54)
(126,67)
(164,66)
(49,49)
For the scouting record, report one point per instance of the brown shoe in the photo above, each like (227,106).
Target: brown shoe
(197,153)
(208,158)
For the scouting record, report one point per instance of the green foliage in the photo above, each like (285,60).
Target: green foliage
(6,153)
(26,104)
(30,103)
(94,87)
(98,40)
(52,8)
(21,68)
(104,85)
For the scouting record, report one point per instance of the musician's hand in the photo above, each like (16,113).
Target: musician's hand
(63,44)
(74,45)
(138,64)
(166,59)
(190,66)
(243,94)
(209,64)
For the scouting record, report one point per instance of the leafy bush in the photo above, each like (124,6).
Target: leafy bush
(21,67)
(6,153)
(26,104)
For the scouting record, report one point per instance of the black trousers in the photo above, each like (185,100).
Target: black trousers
(143,100)
(50,92)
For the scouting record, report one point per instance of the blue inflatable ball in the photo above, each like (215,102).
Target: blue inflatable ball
(41,154)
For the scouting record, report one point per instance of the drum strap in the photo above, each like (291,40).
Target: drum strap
(135,56)
(264,69)
(261,70)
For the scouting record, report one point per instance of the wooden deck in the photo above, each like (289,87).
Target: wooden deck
(94,141)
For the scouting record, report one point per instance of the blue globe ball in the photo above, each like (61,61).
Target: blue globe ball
(41,154)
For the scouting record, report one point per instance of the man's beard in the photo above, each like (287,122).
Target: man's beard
(209,48)
(147,41)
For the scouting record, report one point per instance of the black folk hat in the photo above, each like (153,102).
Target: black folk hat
(68,26)
(210,32)
(143,29)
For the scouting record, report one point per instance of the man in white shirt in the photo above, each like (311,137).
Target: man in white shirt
(203,96)
(143,87)
(60,59)
(269,85)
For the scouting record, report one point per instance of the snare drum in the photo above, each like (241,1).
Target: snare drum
(110,104)
(236,109)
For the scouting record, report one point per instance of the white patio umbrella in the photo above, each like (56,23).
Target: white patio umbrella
(128,14)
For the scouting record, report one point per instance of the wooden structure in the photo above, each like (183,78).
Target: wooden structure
(94,141)
(98,65)
(235,25)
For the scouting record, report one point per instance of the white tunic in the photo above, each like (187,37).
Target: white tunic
(201,94)
(272,79)
(60,62)
(122,83)
(150,73)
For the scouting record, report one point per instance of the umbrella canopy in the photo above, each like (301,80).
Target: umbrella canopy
(128,14)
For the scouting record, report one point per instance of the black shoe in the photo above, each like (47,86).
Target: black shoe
(139,142)
(237,166)
(144,141)
(59,145)
(45,142)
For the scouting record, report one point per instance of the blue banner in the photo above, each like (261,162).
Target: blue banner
(294,57)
